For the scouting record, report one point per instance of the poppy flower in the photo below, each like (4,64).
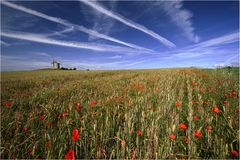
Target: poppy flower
(64,114)
(149,108)
(234,152)
(182,126)
(48,124)
(59,116)
(8,104)
(78,107)
(47,144)
(226,102)
(93,103)
(215,109)
(68,109)
(75,137)
(70,155)
(205,102)
(209,128)
(139,132)
(197,134)
(75,132)
(172,136)
(25,129)
(41,117)
(178,104)
(74,103)
(195,118)
(29,152)
(38,158)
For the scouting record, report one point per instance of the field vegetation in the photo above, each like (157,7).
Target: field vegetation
(137,114)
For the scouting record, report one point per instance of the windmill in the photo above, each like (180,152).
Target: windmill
(56,65)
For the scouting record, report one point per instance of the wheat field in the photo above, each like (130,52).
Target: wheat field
(137,114)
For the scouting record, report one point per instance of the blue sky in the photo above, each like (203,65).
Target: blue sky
(119,34)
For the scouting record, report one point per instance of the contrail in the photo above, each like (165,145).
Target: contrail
(128,22)
(90,46)
(68,24)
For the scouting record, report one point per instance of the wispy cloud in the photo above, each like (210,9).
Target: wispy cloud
(10,63)
(42,54)
(128,22)
(60,33)
(101,23)
(90,46)
(115,57)
(181,17)
(70,25)
(228,38)
(4,43)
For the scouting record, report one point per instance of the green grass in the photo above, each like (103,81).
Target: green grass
(126,101)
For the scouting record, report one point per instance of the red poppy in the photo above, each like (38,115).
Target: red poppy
(215,109)
(59,116)
(226,102)
(195,118)
(75,132)
(234,152)
(94,113)
(93,103)
(178,104)
(47,144)
(172,136)
(182,126)
(29,152)
(68,109)
(139,132)
(41,117)
(65,114)
(38,158)
(8,104)
(78,107)
(25,129)
(70,155)
(197,134)
(74,103)
(205,102)
(48,124)
(238,110)
(209,128)
(149,108)
(75,137)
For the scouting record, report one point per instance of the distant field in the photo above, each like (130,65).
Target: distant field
(138,114)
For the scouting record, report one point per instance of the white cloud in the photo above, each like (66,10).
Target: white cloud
(70,25)
(42,54)
(115,57)
(128,22)
(181,17)
(82,45)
